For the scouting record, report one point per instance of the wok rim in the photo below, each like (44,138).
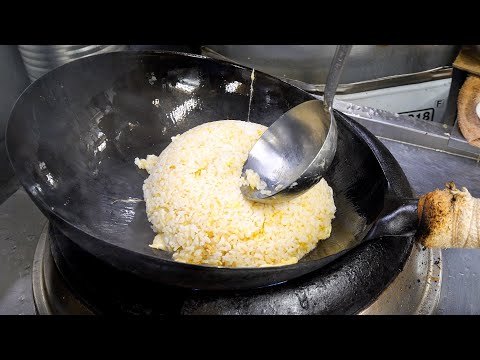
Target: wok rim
(39,202)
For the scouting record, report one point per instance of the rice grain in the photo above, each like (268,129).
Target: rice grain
(194,203)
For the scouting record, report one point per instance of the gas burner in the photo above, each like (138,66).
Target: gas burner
(84,286)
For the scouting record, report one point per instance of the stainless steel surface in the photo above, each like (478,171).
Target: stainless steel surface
(426,170)
(39,288)
(13,79)
(366,62)
(40,59)
(433,135)
(457,141)
(296,150)
(416,290)
(425,101)
(444,72)
(438,73)
(293,153)
(426,95)
(50,292)
(20,226)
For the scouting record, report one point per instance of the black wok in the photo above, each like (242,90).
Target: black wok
(73,135)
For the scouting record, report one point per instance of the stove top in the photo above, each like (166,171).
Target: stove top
(84,286)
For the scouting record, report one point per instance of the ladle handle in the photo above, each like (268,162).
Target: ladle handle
(335,73)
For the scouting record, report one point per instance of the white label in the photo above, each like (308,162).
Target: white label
(426,101)
(424,114)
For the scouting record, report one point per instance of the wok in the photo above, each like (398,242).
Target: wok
(73,135)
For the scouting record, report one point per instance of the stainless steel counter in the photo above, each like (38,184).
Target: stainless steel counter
(21,224)
(426,170)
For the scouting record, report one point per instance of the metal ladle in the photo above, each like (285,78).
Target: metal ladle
(294,153)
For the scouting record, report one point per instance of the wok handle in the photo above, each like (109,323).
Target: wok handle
(399,218)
